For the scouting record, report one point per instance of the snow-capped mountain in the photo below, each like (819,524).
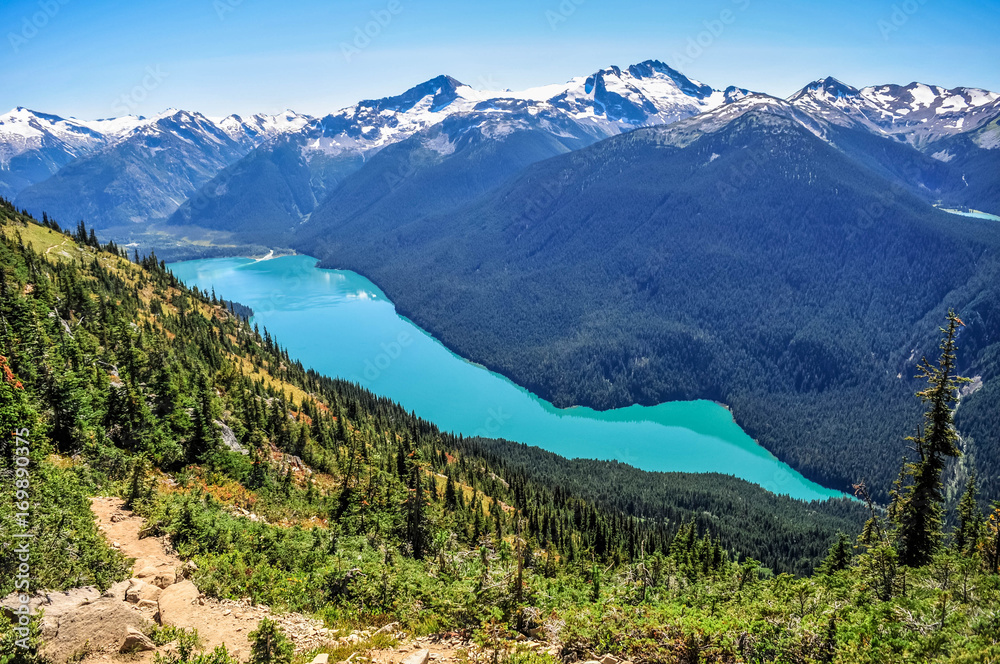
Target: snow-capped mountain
(218,173)
(143,169)
(683,132)
(256,129)
(33,146)
(919,114)
(603,104)
(648,93)
(434,127)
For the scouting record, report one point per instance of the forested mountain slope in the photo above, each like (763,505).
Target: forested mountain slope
(137,368)
(751,261)
(273,480)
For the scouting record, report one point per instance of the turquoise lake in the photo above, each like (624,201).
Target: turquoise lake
(342,325)
(975,214)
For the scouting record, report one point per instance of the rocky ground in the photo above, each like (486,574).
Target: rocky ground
(85,625)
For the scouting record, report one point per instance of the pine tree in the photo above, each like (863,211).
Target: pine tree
(969,531)
(920,511)
(450,497)
(416,507)
(270,645)
(206,437)
(839,557)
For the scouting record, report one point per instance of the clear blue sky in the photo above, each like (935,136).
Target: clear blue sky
(79,57)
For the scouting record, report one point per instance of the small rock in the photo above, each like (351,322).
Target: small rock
(136,641)
(609,659)
(147,604)
(227,612)
(139,590)
(322,658)
(419,657)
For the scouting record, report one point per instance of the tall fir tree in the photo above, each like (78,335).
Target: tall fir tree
(969,531)
(919,514)
(206,437)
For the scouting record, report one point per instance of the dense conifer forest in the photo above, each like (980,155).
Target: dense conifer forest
(129,383)
(757,265)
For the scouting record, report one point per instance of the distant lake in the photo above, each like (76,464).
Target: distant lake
(340,324)
(975,214)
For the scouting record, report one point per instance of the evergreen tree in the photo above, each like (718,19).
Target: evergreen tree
(450,497)
(270,645)
(969,531)
(920,512)
(839,558)
(206,437)
(416,507)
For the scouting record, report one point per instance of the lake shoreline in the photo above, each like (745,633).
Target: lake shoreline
(343,325)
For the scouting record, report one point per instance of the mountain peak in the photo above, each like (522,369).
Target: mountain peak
(688,86)
(442,88)
(830,86)
(733,94)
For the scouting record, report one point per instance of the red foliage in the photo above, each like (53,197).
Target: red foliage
(9,375)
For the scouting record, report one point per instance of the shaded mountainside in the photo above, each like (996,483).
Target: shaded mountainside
(446,166)
(143,177)
(267,194)
(758,265)
(437,144)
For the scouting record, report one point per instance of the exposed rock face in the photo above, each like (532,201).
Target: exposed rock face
(54,605)
(229,438)
(96,625)
(118,590)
